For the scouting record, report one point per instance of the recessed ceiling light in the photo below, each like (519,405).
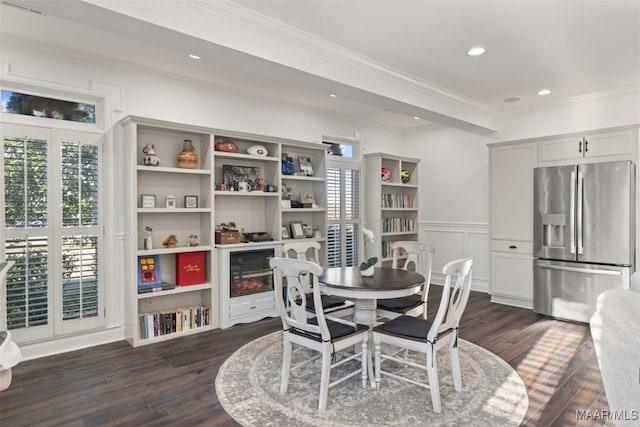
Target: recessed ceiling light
(333,95)
(475,51)
(510,100)
(543,92)
(192,56)
(416,117)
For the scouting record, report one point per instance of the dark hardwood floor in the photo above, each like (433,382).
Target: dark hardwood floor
(173,383)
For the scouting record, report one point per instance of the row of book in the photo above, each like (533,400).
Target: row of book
(156,323)
(387,251)
(395,225)
(397,200)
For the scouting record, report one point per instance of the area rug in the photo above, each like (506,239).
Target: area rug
(248,384)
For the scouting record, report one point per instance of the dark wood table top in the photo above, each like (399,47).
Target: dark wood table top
(383,279)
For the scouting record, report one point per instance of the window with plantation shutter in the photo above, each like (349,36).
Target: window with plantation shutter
(52,230)
(343,213)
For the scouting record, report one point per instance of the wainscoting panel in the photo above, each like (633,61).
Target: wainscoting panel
(453,240)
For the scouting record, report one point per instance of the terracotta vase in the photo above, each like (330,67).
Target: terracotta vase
(187,158)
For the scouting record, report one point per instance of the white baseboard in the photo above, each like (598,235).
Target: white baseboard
(75,342)
(516,302)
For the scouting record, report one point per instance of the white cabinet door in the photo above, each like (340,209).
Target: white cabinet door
(609,144)
(512,278)
(565,148)
(600,146)
(511,189)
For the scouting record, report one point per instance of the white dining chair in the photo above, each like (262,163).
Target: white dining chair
(10,354)
(419,258)
(428,336)
(320,334)
(308,251)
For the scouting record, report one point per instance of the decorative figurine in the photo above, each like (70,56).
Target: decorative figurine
(170,242)
(193,240)
(405,176)
(287,165)
(148,243)
(258,184)
(150,159)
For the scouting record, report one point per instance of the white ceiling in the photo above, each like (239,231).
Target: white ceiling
(388,60)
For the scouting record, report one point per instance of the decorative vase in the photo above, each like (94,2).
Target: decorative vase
(187,158)
(368,272)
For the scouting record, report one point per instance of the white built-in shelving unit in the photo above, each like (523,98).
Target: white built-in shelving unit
(391,205)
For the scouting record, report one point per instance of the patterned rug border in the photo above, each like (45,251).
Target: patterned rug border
(248,381)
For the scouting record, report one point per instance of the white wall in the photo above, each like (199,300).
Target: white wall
(136,91)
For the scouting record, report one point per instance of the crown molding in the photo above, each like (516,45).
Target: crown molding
(240,15)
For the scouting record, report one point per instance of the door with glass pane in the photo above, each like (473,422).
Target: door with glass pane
(51,228)
(343,214)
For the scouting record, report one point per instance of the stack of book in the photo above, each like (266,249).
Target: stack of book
(156,323)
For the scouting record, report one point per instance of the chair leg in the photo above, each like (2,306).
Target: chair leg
(378,348)
(434,385)
(324,377)
(286,363)
(365,365)
(455,365)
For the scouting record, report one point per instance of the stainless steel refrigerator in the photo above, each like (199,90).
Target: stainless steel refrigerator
(583,236)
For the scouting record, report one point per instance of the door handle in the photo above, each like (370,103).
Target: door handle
(579,146)
(586,145)
(582,270)
(572,214)
(513,247)
(579,213)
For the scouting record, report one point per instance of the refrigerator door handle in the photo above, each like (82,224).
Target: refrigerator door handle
(579,213)
(572,215)
(582,270)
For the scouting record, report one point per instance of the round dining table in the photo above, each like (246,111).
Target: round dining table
(386,282)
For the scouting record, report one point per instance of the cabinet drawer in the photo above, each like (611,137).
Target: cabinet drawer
(514,246)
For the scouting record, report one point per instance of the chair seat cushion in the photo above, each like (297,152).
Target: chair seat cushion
(406,326)
(328,301)
(398,305)
(336,329)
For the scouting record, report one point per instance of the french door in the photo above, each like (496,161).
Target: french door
(52,228)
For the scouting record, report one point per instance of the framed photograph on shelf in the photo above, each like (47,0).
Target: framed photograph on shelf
(305,165)
(148,200)
(285,233)
(297,232)
(285,204)
(190,201)
(239,178)
(170,201)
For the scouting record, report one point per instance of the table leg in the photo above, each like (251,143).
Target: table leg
(364,312)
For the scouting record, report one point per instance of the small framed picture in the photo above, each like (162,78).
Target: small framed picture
(170,201)
(286,204)
(190,201)
(285,233)
(297,232)
(305,165)
(148,200)
(306,197)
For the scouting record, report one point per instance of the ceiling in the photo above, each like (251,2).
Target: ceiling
(387,60)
